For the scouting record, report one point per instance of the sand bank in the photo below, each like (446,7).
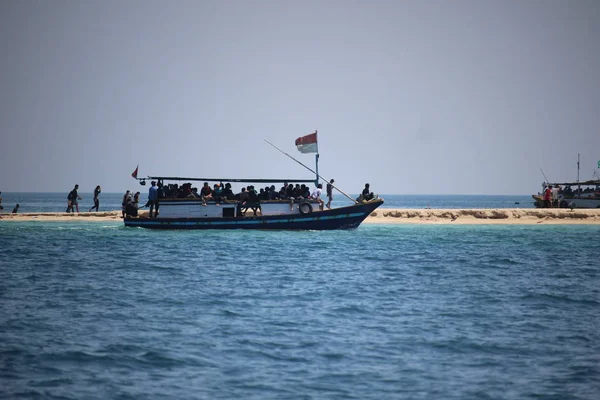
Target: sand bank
(388,216)
(485,216)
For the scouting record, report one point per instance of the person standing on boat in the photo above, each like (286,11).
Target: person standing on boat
(96,200)
(316,195)
(153,199)
(548,197)
(329,193)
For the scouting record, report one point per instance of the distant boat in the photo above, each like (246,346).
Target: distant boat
(576,194)
(194,213)
(571,194)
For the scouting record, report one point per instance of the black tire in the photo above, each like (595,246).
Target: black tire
(305,208)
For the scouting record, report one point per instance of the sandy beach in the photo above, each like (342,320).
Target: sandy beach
(387,216)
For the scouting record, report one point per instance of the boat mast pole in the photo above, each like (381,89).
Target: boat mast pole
(578,185)
(318,176)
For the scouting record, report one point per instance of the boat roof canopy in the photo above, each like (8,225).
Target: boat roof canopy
(583,183)
(178,178)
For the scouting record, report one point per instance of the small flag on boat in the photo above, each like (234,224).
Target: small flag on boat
(308,143)
(134,173)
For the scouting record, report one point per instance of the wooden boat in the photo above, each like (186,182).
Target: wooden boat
(190,213)
(194,213)
(584,194)
(578,194)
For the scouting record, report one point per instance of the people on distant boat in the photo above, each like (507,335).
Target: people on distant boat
(555,191)
(242,202)
(329,193)
(124,203)
(227,192)
(217,193)
(96,200)
(14,211)
(253,202)
(273,193)
(131,206)
(289,191)
(548,197)
(316,195)
(206,193)
(73,200)
(153,200)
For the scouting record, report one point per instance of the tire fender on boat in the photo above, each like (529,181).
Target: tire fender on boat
(305,208)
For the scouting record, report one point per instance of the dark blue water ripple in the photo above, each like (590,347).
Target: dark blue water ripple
(460,312)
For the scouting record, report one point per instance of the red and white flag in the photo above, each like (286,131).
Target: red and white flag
(308,143)
(134,173)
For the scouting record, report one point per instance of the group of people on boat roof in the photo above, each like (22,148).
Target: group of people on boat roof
(247,198)
(223,192)
(220,192)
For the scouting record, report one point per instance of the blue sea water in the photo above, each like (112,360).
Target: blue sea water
(96,311)
(57,202)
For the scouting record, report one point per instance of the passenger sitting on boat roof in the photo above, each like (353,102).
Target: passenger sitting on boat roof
(305,191)
(273,194)
(289,191)
(206,193)
(253,200)
(242,202)
(185,191)
(218,193)
(316,195)
(227,192)
(263,193)
(172,191)
(366,193)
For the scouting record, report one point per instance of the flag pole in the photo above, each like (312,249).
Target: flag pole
(319,176)
(317,161)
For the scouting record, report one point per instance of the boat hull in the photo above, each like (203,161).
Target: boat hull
(349,217)
(569,202)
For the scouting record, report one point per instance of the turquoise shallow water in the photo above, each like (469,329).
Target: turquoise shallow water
(95,311)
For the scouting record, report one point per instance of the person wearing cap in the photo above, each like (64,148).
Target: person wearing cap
(153,199)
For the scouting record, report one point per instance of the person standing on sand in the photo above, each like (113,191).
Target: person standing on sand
(73,198)
(329,193)
(14,211)
(96,200)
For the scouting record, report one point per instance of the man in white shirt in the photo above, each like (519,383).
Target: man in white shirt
(316,195)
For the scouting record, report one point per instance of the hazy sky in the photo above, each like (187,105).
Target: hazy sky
(415,97)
